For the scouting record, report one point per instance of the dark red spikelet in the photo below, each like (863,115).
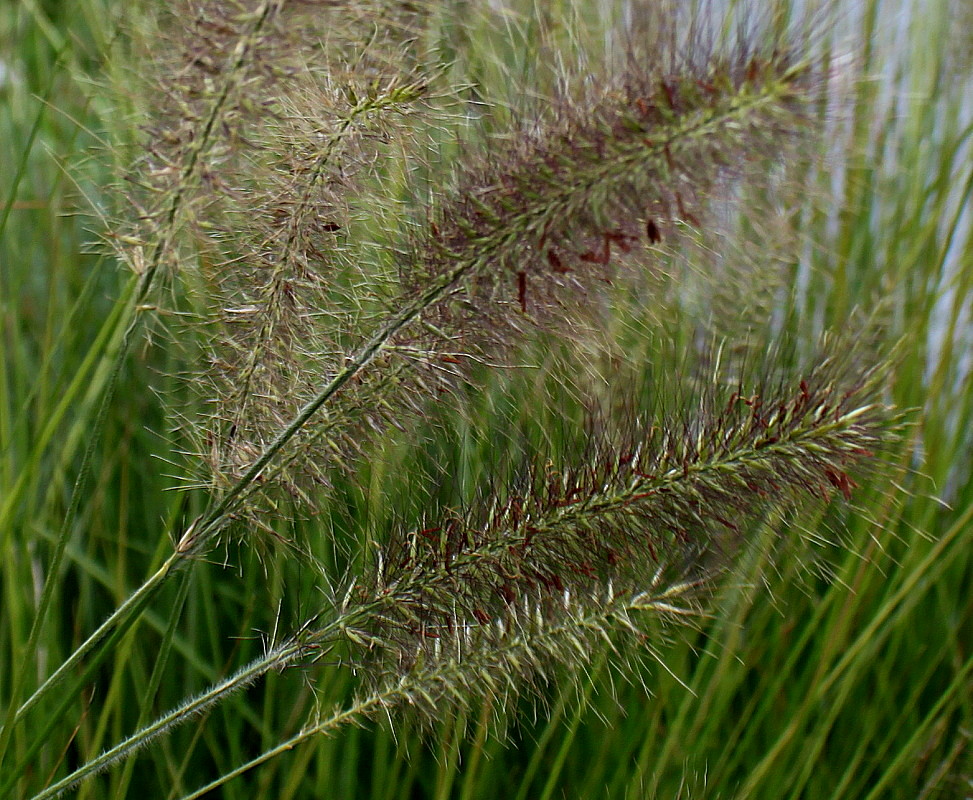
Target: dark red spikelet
(601,257)
(645,108)
(522,290)
(669,92)
(684,213)
(652,231)
(840,481)
(556,264)
(754,69)
(621,239)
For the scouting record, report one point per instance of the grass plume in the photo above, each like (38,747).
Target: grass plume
(346,255)
(603,180)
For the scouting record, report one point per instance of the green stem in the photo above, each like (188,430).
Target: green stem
(443,674)
(343,717)
(143,288)
(276,659)
(120,618)
(870,638)
(126,322)
(200,535)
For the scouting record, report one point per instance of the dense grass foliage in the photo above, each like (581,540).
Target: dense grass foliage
(462,400)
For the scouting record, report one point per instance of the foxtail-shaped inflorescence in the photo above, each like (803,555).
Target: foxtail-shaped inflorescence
(536,231)
(554,212)
(313,342)
(630,534)
(657,511)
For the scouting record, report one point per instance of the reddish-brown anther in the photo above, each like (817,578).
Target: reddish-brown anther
(840,481)
(623,240)
(555,261)
(652,231)
(669,92)
(601,257)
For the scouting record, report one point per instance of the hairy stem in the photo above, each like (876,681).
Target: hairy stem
(651,149)
(143,288)
(793,446)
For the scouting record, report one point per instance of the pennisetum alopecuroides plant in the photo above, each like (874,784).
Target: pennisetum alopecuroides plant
(265,193)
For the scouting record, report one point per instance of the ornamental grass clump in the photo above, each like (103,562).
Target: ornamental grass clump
(645,521)
(329,325)
(531,233)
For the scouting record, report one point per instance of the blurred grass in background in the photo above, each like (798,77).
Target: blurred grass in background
(853,682)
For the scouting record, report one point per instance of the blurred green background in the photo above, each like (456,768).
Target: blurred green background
(854,682)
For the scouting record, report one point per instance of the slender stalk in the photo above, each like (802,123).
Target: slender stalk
(143,288)
(288,653)
(120,618)
(275,659)
(422,686)
(13,714)
(375,702)
(791,448)
(201,535)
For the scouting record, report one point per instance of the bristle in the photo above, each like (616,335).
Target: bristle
(540,226)
(648,520)
(324,326)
